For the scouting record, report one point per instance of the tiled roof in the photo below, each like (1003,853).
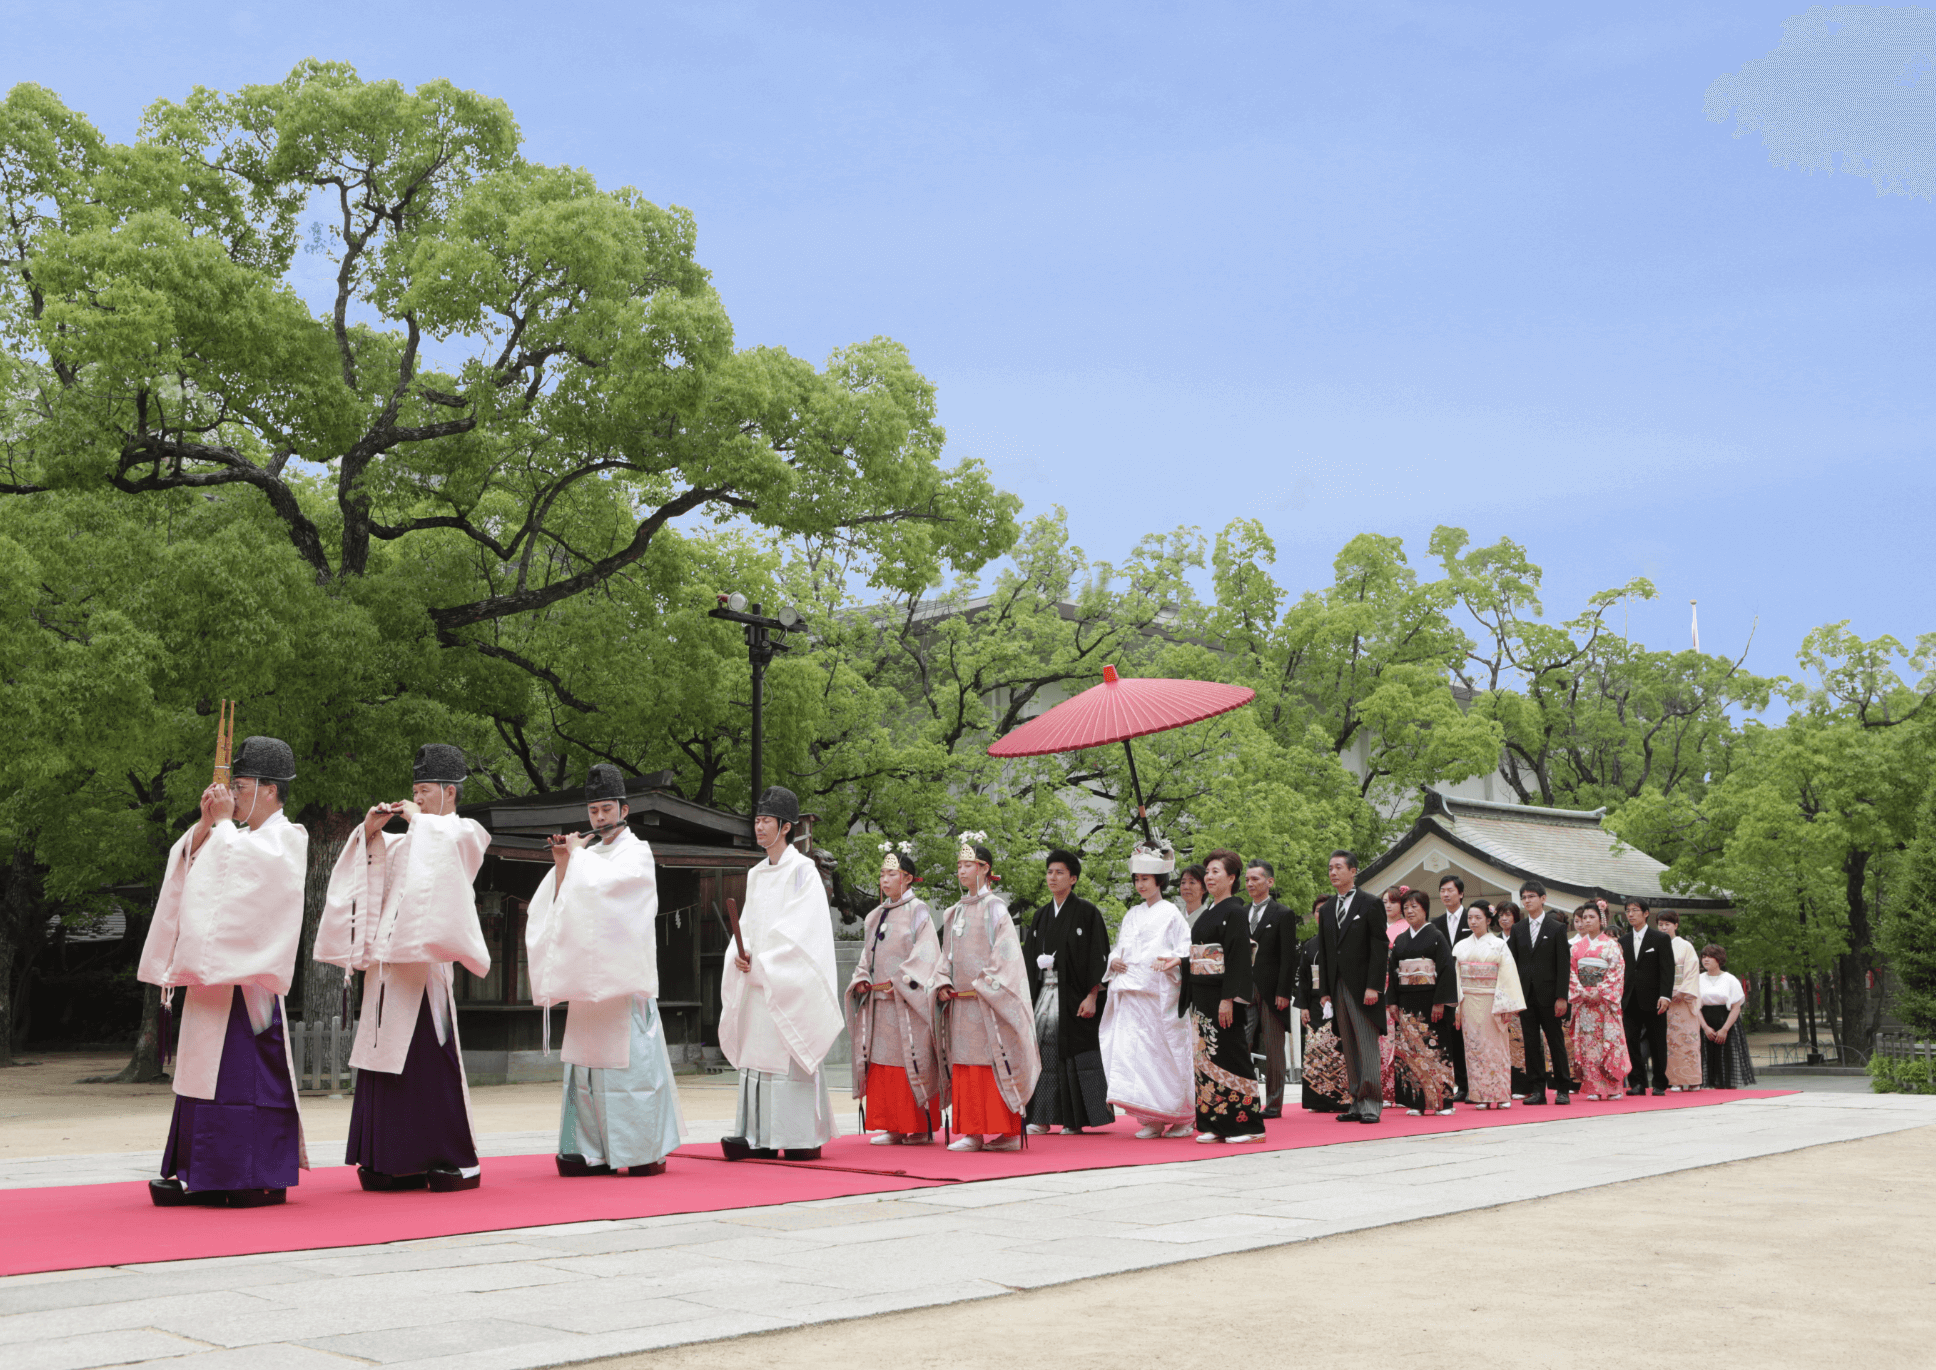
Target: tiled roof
(1561,847)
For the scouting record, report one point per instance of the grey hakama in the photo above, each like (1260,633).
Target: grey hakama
(624,1117)
(790,1112)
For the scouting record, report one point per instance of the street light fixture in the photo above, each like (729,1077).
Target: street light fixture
(764,637)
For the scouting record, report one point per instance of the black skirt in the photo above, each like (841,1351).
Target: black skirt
(1725,1065)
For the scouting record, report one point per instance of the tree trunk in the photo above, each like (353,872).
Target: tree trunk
(18,908)
(317,988)
(145,1067)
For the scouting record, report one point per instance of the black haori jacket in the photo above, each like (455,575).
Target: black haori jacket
(1078,939)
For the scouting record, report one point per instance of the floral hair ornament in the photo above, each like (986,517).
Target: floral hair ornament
(1152,859)
(902,855)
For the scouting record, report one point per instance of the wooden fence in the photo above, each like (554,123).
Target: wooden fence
(322,1052)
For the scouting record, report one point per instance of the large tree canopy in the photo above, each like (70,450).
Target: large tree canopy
(507,350)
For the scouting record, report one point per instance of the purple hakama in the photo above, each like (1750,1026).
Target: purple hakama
(248,1136)
(406,1123)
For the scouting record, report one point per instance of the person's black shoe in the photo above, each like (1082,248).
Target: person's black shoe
(1368,1120)
(1562,1097)
(1660,1093)
(254,1198)
(1273,1113)
(1632,1092)
(169,1193)
(801,1153)
(445,1179)
(1536,1100)
(636,1171)
(377,1182)
(739,1149)
(1346,1117)
(573,1166)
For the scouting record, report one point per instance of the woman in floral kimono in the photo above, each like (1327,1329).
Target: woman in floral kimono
(1422,984)
(1216,988)
(1489,1001)
(1599,1036)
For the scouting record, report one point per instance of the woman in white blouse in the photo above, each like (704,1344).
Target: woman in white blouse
(1724,1048)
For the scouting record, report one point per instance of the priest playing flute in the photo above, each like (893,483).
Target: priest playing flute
(591,937)
(401,909)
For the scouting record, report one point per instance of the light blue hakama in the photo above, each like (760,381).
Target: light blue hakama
(624,1117)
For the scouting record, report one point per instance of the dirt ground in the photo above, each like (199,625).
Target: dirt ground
(1818,1257)
(45,1110)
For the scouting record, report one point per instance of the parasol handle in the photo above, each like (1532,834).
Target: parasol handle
(1142,814)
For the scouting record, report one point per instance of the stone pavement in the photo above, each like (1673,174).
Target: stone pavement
(551,1295)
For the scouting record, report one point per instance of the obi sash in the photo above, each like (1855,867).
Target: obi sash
(1418,970)
(1206,958)
(1481,977)
(1591,970)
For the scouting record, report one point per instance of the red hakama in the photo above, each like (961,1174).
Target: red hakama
(891,1106)
(979,1109)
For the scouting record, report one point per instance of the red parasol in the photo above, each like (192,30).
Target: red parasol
(1118,710)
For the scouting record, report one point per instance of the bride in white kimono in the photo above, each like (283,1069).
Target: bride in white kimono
(1146,1043)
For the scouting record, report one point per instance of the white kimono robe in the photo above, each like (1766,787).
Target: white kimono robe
(778,1021)
(228,916)
(403,909)
(593,943)
(1146,1045)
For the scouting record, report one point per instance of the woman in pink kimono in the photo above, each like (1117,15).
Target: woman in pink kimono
(1599,1036)
(1489,1002)
(890,1012)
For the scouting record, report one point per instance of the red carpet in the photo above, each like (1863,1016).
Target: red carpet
(71,1227)
(1117,1146)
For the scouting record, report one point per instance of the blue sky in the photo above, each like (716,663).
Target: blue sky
(1342,267)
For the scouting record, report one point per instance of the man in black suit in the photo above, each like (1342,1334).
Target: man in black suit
(1273,968)
(1541,954)
(1453,924)
(1351,974)
(1645,995)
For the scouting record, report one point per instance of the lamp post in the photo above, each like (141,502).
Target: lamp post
(761,644)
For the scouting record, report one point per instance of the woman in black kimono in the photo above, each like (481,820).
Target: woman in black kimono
(1216,989)
(1423,985)
(1326,1090)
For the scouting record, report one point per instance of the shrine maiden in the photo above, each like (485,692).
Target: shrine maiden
(890,1011)
(988,1021)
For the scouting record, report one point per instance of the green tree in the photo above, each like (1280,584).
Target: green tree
(1362,664)
(1807,827)
(450,492)
(1589,718)
(1908,930)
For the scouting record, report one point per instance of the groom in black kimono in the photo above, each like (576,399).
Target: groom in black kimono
(1351,973)
(1067,954)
